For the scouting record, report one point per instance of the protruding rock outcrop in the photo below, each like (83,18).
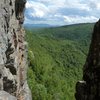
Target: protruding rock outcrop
(13,59)
(89,89)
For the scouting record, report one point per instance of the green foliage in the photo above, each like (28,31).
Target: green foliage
(56,57)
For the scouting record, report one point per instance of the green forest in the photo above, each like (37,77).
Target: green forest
(56,57)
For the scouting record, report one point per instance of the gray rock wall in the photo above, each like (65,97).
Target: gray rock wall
(13,57)
(89,88)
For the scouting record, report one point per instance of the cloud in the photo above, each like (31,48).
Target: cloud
(36,9)
(78,19)
(62,12)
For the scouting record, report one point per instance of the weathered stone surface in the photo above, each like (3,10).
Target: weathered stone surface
(90,88)
(26,92)
(13,59)
(6,96)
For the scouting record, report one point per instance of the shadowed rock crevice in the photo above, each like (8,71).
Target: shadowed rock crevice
(19,10)
(89,89)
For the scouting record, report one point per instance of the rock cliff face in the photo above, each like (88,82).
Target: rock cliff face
(89,89)
(13,59)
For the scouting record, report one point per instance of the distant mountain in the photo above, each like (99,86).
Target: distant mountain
(37,25)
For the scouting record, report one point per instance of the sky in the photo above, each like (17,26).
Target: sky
(62,12)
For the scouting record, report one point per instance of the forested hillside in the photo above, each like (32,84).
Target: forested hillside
(56,58)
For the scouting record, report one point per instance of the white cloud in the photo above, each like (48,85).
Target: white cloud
(37,9)
(62,11)
(95,5)
(79,19)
